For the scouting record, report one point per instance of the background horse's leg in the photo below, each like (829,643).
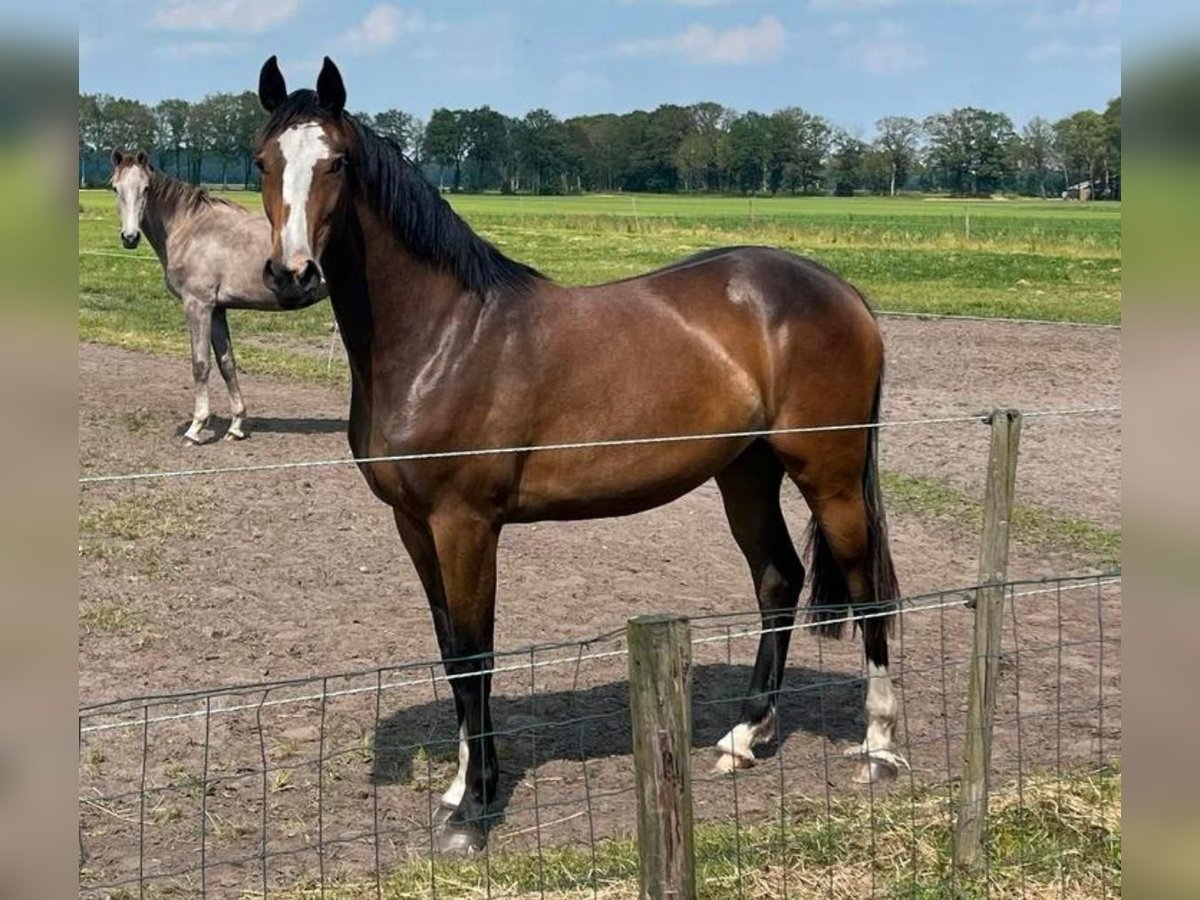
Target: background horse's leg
(464,545)
(199,323)
(750,489)
(222,345)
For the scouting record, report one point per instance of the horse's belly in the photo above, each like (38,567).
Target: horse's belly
(618,480)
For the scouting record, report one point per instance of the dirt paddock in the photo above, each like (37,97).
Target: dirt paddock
(207,583)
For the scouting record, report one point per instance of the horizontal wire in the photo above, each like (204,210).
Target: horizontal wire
(348,692)
(574,445)
(902,610)
(107,706)
(138,257)
(1008,320)
(958,600)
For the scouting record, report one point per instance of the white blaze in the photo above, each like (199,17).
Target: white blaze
(303,146)
(131,198)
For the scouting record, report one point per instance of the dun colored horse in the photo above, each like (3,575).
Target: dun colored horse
(454,346)
(211,252)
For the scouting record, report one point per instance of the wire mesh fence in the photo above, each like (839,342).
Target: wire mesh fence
(329,785)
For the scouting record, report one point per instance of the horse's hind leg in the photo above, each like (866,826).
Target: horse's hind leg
(849,553)
(222,345)
(199,323)
(750,490)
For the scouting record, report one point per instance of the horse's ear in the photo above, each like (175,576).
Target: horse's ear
(331,91)
(272,89)
(116,157)
(142,159)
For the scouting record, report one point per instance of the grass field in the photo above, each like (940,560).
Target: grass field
(1050,839)
(1026,259)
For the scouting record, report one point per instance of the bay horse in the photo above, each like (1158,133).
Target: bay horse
(454,346)
(211,250)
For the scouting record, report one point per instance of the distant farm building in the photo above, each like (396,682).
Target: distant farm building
(1081,191)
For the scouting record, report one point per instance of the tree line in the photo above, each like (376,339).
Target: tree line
(705,147)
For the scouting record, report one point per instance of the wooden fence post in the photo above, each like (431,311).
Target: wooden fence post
(660,699)
(985,657)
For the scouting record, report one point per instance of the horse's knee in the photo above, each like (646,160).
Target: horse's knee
(200,370)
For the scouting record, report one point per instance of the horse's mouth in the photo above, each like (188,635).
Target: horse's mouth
(299,298)
(131,243)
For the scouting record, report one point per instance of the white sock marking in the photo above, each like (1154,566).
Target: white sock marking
(881,709)
(737,747)
(454,795)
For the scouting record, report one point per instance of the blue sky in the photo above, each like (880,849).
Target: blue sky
(850,60)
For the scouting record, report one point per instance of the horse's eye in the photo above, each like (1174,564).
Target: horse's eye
(339,163)
(259,164)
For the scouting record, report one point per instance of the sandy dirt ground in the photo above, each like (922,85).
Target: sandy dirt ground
(298,576)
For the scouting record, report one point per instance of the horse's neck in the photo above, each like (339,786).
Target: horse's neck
(161,217)
(390,302)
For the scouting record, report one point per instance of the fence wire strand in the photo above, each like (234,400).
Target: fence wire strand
(948,419)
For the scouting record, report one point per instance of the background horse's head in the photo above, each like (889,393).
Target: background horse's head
(304,154)
(130,182)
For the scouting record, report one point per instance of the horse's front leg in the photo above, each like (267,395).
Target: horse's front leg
(198,313)
(455,555)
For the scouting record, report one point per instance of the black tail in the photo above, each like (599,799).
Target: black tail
(830,601)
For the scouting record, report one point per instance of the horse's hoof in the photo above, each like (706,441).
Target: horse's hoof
(441,815)
(464,840)
(878,766)
(875,771)
(728,763)
(235,435)
(194,440)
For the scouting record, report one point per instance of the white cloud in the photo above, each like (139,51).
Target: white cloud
(1061,50)
(851,5)
(89,46)
(382,26)
(243,16)
(887,50)
(487,49)
(192,49)
(740,45)
(1050,14)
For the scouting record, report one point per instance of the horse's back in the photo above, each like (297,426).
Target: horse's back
(796,327)
(223,251)
(783,296)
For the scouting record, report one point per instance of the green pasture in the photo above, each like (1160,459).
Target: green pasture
(1050,259)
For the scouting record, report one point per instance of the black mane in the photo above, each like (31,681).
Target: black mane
(409,204)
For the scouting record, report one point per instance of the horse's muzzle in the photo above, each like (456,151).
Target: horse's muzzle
(130,241)
(293,288)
